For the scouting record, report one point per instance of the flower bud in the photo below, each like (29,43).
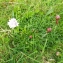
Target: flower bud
(49,29)
(57,17)
(30,36)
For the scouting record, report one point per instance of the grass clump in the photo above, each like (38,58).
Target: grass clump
(30,42)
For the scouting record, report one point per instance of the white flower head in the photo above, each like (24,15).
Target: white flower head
(13,23)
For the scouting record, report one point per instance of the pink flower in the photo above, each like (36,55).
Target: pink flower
(57,18)
(30,36)
(49,29)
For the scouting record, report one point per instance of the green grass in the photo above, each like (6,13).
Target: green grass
(34,17)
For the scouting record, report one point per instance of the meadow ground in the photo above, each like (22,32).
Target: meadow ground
(29,42)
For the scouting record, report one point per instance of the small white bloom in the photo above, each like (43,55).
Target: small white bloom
(13,23)
(58,53)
